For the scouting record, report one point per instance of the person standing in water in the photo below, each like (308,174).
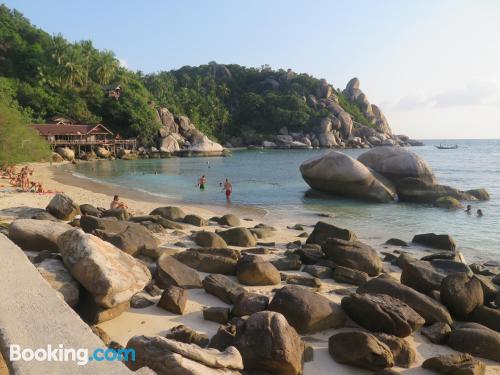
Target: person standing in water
(479,213)
(228,188)
(202,182)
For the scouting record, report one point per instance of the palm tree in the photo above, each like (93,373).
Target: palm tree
(106,67)
(87,50)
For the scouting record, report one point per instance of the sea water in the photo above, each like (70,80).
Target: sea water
(270,180)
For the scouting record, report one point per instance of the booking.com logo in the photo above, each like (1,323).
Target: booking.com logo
(61,354)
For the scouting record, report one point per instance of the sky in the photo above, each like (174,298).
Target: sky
(433,66)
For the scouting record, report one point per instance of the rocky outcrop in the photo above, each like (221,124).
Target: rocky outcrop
(109,274)
(461,294)
(62,207)
(178,135)
(478,341)
(455,364)
(37,235)
(222,287)
(323,231)
(59,278)
(339,174)
(254,270)
(210,260)
(172,272)
(240,236)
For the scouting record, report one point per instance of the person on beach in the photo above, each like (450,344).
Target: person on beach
(202,182)
(479,213)
(469,209)
(116,203)
(228,188)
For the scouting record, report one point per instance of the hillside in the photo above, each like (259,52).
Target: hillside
(46,75)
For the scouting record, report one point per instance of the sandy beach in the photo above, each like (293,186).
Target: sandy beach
(153,320)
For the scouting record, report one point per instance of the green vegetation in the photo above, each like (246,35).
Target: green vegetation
(42,76)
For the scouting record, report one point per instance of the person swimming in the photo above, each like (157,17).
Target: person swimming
(202,182)
(228,188)
(469,209)
(479,213)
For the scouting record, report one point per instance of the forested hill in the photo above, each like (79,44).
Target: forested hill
(44,75)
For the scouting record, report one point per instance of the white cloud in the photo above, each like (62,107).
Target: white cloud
(123,63)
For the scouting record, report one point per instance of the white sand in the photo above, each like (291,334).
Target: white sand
(155,321)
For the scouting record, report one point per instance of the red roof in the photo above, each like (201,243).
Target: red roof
(70,129)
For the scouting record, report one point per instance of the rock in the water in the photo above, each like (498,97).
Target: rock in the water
(461,294)
(307,311)
(487,316)
(382,313)
(360,349)
(187,335)
(170,213)
(111,275)
(37,235)
(480,194)
(59,278)
(323,231)
(210,260)
(229,220)
(171,357)
(249,303)
(268,343)
(449,203)
(480,342)
(216,314)
(195,220)
(209,239)
(437,241)
(222,287)
(62,207)
(402,351)
(172,272)
(459,364)
(396,242)
(353,254)
(437,333)
(396,163)
(349,276)
(238,237)
(174,299)
(338,173)
(431,310)
(254,270)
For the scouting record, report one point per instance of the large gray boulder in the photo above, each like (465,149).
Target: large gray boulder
(479,341)
(133,239)
(172,272)
(353,254)
(339,174)
(238,237)
(323,231)
(307,311)
(421,276)
(431,310)
(210,260)
(209,239)
(360,349)
(170,213)
(37,235)
(62,207)
(461,294)
(59,278)
(437,241)
(396,163)
(268,343)
(109,274)
(382,313)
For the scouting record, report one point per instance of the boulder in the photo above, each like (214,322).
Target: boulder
(169,213)
(460,363)
(437,241)
(174,299)
(312,282)
(249,303)
(229,220)
(490,290)
(288,263)
(421,276)
(90,224)
(396,242)
(412,189)
(109,274)
(431,310)
(195,220)
(323,231)
(169,144)
(479,194)
(396,163)
(349,276)
(171,357)
(339,174)
(103,152)
(448,203)
(88,209)
(461,294)
(307,311)
(403,352)
(56,158)
(172,272)
(353,254)
(360,349)
(437,333)
(320,272)
(382,313)
(37,235)
(209,239)
(62,207)
(254,270)
(118,213)
(216,314)
(487,317)
(59,278)
(132,240)
(92,313)
(238,237)
(223,338)
(66,153)
(210,260)
(141,301)
(205,146)
(222,287)
(480,342)
(187,335)
(269,344)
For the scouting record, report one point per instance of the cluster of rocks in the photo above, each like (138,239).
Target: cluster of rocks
(383,174)
(106,261)
(338,129)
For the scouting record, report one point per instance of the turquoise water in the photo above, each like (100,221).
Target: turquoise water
(271,180)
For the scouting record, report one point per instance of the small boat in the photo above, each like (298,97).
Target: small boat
(447,147)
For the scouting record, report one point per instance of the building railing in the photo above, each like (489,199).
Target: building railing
(95,142)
